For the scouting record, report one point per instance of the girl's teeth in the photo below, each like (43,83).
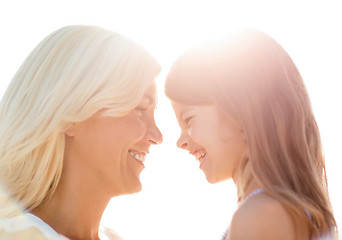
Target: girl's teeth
(200,156)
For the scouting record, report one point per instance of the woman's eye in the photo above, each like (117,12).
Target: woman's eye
(141,109)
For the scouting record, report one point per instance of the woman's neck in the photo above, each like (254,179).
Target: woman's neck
(75,209)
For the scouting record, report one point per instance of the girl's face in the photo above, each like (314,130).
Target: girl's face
(216,140)
(110,151)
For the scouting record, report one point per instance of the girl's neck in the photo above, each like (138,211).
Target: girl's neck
(251,187)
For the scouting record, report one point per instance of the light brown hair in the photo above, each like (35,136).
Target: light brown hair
(252,79)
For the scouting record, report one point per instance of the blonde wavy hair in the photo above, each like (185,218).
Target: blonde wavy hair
(253,80)
(72,74)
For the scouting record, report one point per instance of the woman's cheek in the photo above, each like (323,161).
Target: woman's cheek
(141,126)
(136,126)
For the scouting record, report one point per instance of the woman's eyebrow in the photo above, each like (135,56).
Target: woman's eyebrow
(149,99)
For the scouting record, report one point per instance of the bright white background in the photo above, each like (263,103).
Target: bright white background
(176,201)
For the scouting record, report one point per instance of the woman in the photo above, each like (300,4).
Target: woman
(245,114)
(76,124)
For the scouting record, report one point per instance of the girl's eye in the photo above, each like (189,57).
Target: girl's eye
(187,120)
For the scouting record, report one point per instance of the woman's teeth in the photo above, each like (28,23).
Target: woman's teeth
(139,156)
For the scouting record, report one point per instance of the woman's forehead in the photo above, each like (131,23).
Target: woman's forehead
(150,94)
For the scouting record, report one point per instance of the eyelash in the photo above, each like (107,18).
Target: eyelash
(141,110)
(187,120)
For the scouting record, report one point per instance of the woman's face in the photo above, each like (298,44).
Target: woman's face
(111,151)
(215,140)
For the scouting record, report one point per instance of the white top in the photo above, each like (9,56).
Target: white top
(29,226)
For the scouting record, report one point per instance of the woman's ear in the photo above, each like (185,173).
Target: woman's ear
(70,131)
(243,134)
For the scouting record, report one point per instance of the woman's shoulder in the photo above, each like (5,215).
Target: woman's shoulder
(109,234)
(264,217)
(25,227)
(28,226)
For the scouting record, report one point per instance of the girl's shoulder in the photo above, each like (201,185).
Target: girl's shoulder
(264,217)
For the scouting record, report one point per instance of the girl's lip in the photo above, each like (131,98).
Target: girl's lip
(201,161)
(199,154)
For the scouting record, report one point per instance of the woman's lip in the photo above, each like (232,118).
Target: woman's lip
(138,156)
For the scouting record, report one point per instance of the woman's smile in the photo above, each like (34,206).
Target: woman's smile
(138,156)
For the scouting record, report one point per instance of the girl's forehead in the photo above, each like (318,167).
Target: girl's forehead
(182,108)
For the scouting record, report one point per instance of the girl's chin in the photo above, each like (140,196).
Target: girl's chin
(215,179)
(211,179)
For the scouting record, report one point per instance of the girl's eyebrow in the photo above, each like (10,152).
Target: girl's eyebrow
(181,115)
(184,111)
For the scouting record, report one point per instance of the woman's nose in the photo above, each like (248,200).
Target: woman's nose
(154,135)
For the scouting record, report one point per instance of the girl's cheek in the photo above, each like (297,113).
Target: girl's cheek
(196,133)
(191,131)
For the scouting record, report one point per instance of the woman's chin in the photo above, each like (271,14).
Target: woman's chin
(135,188)
(131,189)
(138,188)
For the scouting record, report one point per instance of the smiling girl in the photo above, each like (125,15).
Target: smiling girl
(245,115)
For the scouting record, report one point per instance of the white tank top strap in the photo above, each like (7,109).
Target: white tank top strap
(255,192)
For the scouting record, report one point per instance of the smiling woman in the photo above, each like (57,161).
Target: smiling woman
(112,149)
(76,123)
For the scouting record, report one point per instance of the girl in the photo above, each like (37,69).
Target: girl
(245,114)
